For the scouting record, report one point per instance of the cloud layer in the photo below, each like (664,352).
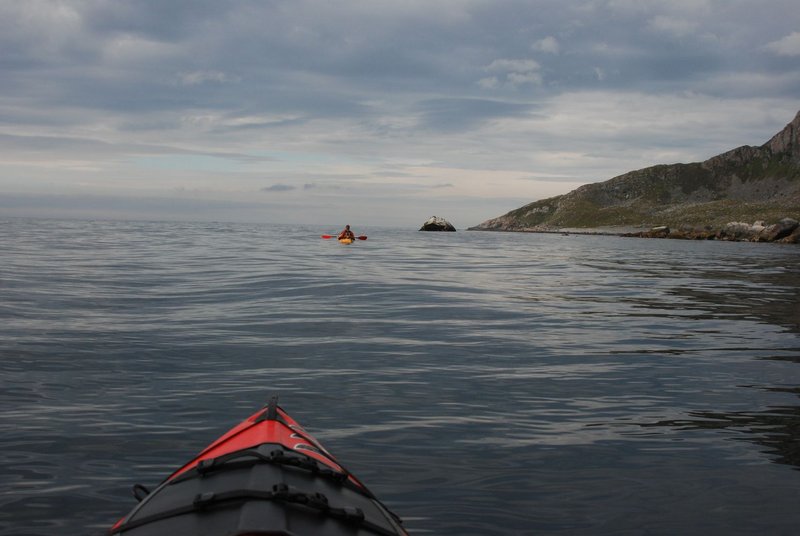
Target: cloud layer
(387,111)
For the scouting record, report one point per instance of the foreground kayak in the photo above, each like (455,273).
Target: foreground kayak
(346,240)
(266,476)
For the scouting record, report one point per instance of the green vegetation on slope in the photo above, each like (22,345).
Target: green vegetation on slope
(745,184)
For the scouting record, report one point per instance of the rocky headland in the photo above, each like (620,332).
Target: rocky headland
(704,200)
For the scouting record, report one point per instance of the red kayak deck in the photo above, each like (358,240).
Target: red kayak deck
(266,476)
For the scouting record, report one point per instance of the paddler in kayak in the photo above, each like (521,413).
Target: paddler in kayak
(347,233)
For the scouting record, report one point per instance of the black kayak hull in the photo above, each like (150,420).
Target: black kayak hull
(266,476)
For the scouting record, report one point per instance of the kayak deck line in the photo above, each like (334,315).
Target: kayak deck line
(246,458)
(203,502)
(265,476)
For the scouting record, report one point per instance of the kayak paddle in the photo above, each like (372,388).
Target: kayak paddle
(326,236)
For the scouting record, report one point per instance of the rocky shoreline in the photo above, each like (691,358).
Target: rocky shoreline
(786,231)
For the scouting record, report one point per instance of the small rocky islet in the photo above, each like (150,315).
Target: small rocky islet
(435,223)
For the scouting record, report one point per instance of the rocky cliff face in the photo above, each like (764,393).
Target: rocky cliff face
(744,184)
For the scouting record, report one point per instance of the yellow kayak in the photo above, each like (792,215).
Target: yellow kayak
(346,240)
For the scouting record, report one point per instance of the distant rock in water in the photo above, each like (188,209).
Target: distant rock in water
(436,223)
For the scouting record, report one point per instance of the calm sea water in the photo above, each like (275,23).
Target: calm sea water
(480,383)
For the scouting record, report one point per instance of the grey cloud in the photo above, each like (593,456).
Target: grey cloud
(62,145)
(455,114)
(788,45)
(278,188)
(164,21)
(321,60)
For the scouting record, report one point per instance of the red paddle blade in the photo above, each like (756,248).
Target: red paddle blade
(326,236)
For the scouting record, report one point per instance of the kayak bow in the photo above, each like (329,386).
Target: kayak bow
(265,476)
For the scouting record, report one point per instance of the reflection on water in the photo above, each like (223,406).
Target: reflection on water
(777,428)
(480,383)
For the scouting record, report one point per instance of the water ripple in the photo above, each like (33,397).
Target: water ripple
(481,383)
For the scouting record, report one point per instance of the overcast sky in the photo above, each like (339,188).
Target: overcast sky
(372,112)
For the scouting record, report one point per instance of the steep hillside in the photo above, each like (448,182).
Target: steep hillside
(745,184)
